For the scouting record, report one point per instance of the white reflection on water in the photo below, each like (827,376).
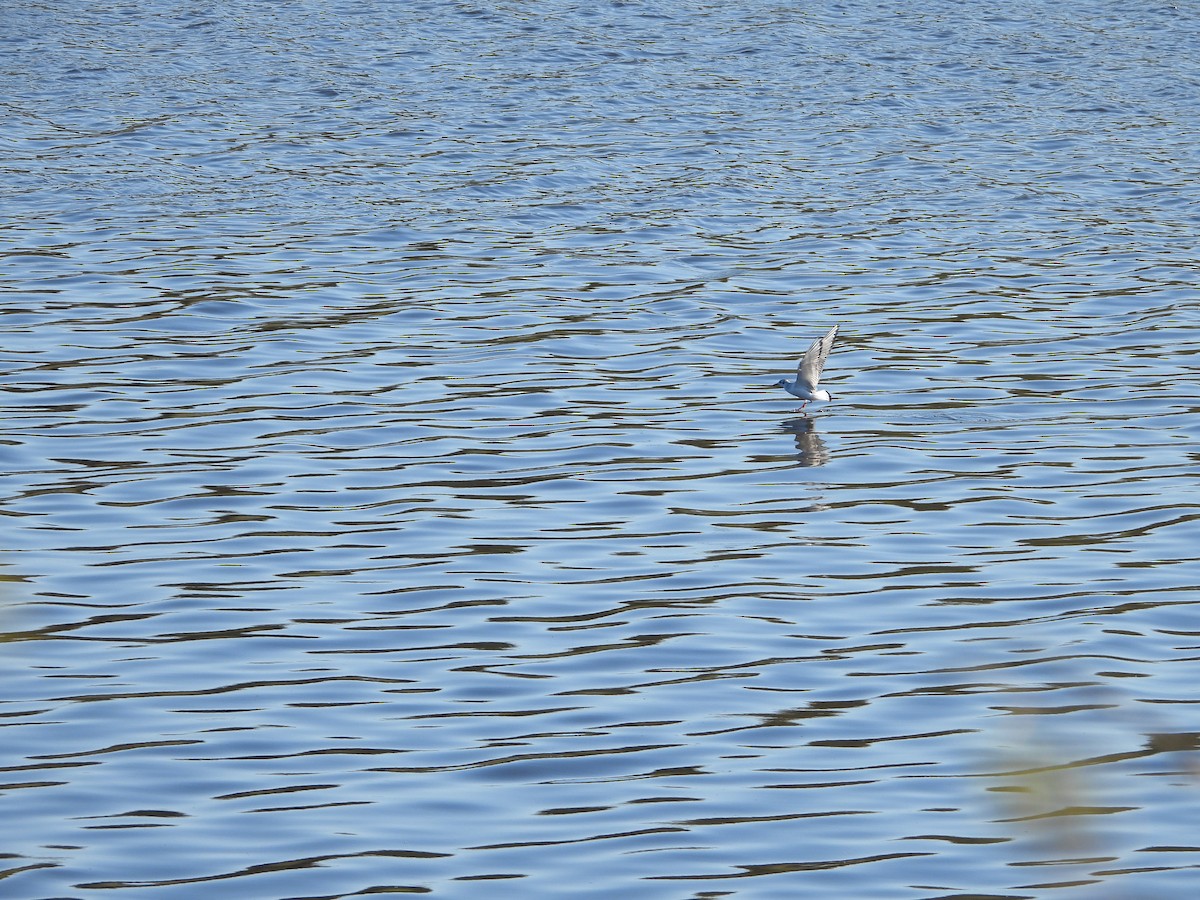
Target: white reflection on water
(810,449)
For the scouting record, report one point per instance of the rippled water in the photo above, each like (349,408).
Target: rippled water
(397,501)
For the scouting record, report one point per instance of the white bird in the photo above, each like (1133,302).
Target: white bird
(808,373)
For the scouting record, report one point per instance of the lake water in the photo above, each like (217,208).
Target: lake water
(397,500)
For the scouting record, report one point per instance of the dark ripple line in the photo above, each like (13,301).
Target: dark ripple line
(517,845)
(117,748)
(524,757)
(226,689)
(783,817)
(1018,664)
(308,862)
(783,868)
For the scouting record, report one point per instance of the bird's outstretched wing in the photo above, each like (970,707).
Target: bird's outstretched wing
(808,372)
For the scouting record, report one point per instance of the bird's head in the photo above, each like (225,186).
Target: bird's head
(782,382)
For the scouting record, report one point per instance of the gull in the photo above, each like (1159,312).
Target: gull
(808,373)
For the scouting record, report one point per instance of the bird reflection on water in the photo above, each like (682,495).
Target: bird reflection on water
(811,450)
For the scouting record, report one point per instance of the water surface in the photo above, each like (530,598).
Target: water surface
(397,501)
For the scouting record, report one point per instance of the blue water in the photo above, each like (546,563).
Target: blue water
(397,500)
